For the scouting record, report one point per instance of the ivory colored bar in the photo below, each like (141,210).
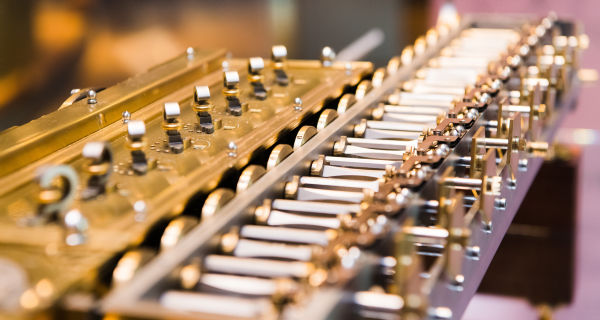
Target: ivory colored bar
(218,305)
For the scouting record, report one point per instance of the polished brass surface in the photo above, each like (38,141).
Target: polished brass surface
(135,201)
(218,187)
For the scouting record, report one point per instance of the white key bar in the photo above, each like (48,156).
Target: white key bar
(361,162)
(373,153)
(242,285)
(381,143)
(309,194)
(427,110)
(257,267)
(284,234)
(314,207)
(378,300)
(391,134)
(410,98)
(431,89)
(414,118)
(218,305)
(335,171)
(247,248)
(449,74)
(394,125)
(460,62)
(341,183)
(280,218)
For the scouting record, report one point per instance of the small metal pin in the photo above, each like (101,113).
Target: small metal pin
(91,95)
(298,104)
(232,149)
(500,203)
(75,226)
(473,252)
(327,56)
(190,52)
(126,116)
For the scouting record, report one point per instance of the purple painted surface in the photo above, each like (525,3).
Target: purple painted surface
(587,116)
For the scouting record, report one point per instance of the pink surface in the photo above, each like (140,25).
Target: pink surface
(587,115)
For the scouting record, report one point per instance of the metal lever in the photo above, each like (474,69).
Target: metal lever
(255,67)
(279,55)
(202,107)
(231,80)
(99,168)
(136,130)
(172,125)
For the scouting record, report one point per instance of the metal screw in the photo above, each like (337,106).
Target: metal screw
(190,53)
(456,284)
(487,227)
(500,203)
(126,116)
(512,183)
(232,149)
(523,164)
(298,104)
(91,96)
(473,252)
(327,56)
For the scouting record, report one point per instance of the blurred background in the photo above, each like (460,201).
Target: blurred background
(52,46)
(49,47)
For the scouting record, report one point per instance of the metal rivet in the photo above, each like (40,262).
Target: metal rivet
(327,56)
(523,164)
(298,104)
(232,149)
(91,94)
(473,252)
(500,203)
(456,284)
(126,116)
(190,53)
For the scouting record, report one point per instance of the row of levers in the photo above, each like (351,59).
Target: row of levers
(278,188)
